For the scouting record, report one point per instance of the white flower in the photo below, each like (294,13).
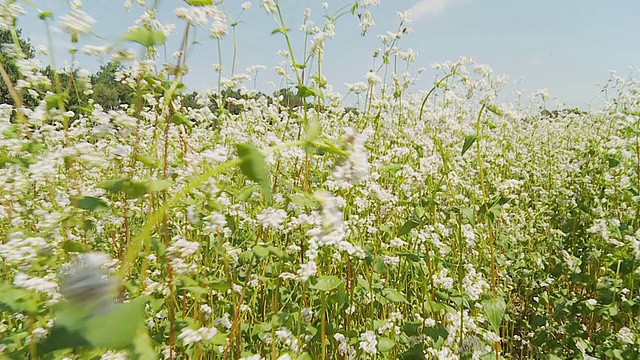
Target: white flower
(355,167)
(368,342)
(307,270)
(269,6)
(271,218)
(373,78)
(9,10)
(246,5)
(491,337)
(626,336)
(189,336)
(181,247)
(592,302)
(77,22)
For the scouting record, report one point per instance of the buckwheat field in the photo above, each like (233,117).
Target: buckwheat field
(402,219)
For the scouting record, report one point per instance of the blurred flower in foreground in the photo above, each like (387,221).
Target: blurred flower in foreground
(86,281)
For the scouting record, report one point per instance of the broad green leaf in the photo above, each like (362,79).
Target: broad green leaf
(303,201)
(394,295)
(143,346)
(494,309)
(219,339)
(199,2)
(379,266)
(130,189)
(54,101)
(220,285)
(305,356)
(15,299)
(158,185)
(147,160)
(89,203)
(385,344)
(260,251)
(408,226)
(276,252)
(72,246)
(118,326)
(254,167)
(468,213)
(145,37)
(62,338)
(196,290)
(327,283)
(313,129)
(246,193)
(179,119)
(468,141)
(304,92)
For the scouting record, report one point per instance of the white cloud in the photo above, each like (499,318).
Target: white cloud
(426,9)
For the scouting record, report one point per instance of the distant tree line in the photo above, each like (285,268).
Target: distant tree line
(109,93)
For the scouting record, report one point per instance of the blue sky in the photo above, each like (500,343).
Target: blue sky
(565,46)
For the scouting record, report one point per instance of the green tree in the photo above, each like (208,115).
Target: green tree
(6,40)
(107,92)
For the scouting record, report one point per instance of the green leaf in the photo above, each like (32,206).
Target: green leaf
(304,92)
(254,167)
(408,226)
(313,129)
(130,189)
(72,246)
(159,185)
(276,252)
(15,299)
(147,160)
(385,344)
(246,193)
(494,309)
(89,203)
(145,37)
(117,328)
(220,285)
(468,141)
(305,356)
(379,266)
(394,295)
(280,30)
(196,290)
(468,213)
(180,119)
(199,2)
(142,345)
(54,101)
(260,251)
(327,283)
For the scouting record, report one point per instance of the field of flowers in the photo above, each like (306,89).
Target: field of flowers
(431,223)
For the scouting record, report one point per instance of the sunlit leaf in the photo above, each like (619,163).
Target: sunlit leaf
(145,37)
(385,344)
(494,308)
(89,203)
(327,283)
(254,167)
(468,141)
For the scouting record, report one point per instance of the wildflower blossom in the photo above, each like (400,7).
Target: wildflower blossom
(77,22)
(368,342)
(190,336)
